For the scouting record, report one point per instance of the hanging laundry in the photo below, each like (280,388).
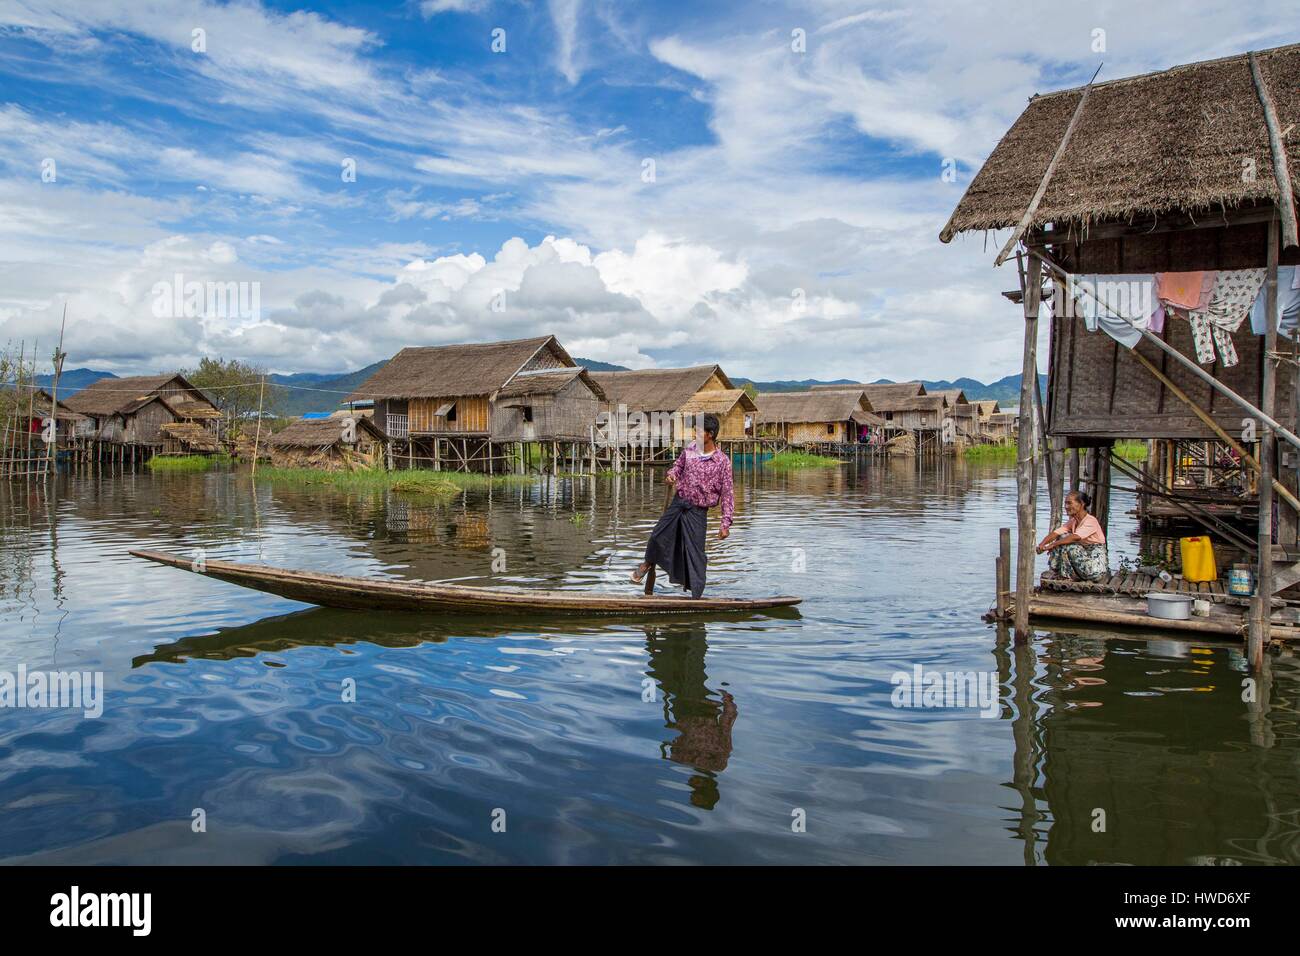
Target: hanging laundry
(1234,293)
(1288,303)
(1157,321)
(1185,290)
(1119,305)
(1232,298)
(1206,335)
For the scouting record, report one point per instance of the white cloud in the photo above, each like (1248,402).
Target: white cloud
(813,177)
(431,8)
(564,16)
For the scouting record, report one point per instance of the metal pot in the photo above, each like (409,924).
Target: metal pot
(1169,607)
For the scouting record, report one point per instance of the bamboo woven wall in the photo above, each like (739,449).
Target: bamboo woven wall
(732,425)
(567,415)
(799,433)
(916,420)
(472,416)
(142,426)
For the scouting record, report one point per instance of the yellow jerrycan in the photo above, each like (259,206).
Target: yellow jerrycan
(1198,559)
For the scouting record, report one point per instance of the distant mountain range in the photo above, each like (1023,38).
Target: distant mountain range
(1005,390)
(323,391)
(73,380)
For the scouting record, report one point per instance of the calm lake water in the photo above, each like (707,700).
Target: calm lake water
(605,742)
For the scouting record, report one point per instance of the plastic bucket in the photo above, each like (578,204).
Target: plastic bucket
(1169,607)
(1241,582)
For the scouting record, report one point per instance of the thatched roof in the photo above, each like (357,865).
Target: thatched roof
(884,397)
(953,396)
(987,406)
(827,405)
(858,390)
(321,433)
(449,371)
(110,395)
(657,389)
(718,402)
(194,436)
(931,404)
(1177,141)
(194,410)
(866,418)
(549,382)
(38,400)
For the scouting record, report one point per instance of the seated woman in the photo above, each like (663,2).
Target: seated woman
(1078,547)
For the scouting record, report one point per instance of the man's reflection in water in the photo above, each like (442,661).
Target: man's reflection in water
(702,720)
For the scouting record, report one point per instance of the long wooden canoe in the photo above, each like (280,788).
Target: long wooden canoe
(367,594)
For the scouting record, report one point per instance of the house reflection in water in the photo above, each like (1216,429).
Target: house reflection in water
(1130,751)
(701,719)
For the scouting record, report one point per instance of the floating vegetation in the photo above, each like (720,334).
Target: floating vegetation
(990,453)
(1132,450)
(800,459)
(185,463)
(411,482)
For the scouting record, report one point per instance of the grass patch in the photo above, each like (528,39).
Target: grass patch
(1128,450)
(1131,450)
(990,453)
(800,459)
(185,463)
(412,482)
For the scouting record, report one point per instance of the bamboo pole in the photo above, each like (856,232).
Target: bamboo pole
(257,435)
(1002,584)
(1261,608)
(1281,165)
(1028,217)
(1052,461)
(59,356)
(1026,470)
(1212,424)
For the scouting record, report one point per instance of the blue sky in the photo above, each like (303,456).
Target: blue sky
(789,229)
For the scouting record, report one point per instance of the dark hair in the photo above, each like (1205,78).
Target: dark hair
(1084,498)
(711,425)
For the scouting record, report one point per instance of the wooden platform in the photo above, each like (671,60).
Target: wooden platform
(1121,602)
(1158,510)
(1126,612)
(1137,585)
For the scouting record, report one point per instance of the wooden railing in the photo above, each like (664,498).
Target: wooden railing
(397,426)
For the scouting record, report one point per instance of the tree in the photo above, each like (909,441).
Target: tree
(235,388)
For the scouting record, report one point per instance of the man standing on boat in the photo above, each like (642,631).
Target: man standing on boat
(702,478)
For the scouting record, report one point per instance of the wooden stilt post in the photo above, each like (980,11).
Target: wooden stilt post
(257,436)
(1003,581)
(1101,504)
(1261,609)
(1026,466)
